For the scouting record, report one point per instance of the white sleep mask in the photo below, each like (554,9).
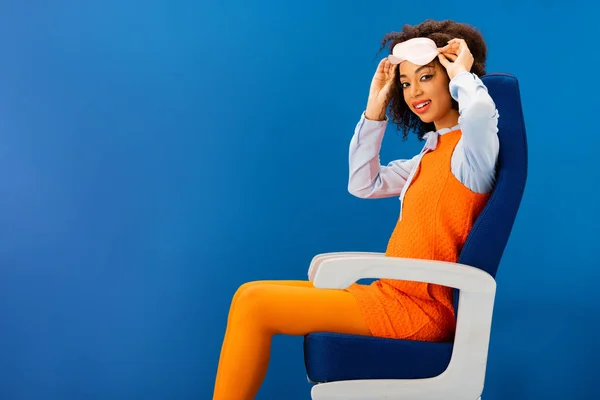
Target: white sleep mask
(419,51)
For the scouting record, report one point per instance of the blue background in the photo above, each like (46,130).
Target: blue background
(154,155)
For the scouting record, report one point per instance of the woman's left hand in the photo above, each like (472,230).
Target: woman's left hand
(456,57)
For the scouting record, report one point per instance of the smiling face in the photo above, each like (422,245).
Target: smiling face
(427,94)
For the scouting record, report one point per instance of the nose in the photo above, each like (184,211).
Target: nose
(415,90)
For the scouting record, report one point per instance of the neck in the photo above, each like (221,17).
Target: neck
(447,121)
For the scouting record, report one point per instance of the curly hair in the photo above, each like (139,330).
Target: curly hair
(440,32)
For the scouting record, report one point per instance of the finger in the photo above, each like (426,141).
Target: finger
(459,44)
(383,68)
(443,60)
(451,51)
(450,56)
(458,54)
(389,68)
(450,48)
(464,53)
(450,45)
(448,52)
(456,43)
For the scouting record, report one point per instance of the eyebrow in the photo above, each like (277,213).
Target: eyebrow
(418,69)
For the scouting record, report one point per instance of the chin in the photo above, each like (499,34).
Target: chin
(426,118)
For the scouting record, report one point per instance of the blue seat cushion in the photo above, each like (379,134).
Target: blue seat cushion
(337,357)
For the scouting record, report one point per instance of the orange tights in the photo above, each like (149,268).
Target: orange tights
(262,309)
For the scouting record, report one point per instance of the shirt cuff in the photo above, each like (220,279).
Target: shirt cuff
(369,130)
(365,120)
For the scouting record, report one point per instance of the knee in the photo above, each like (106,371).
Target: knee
(243,289)
(247,290)
(251,297)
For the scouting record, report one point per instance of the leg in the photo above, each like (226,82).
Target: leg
(263,309)
(246,286)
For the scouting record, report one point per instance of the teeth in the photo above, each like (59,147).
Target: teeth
(423,104)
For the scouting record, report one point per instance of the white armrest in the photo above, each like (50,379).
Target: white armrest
(316,261)
(340,270)
(466,372)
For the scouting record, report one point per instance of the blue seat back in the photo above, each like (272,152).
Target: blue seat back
(488,238)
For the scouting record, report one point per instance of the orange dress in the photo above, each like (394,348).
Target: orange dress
(438,212)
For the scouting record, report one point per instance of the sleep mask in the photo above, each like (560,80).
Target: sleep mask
(419,51)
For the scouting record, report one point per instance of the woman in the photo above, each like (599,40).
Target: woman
(431,85)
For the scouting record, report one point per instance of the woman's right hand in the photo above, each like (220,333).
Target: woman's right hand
(381,89)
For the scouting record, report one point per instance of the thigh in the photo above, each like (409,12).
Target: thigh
(301,309)
(249,285)
(298,283)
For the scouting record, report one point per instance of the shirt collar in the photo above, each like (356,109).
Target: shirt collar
(446,130)
(432,136)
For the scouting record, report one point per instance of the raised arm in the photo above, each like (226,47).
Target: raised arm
(478,121)
(476,154)
(368,178)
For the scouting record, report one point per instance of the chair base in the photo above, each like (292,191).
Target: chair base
(316,396)
(426,389)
